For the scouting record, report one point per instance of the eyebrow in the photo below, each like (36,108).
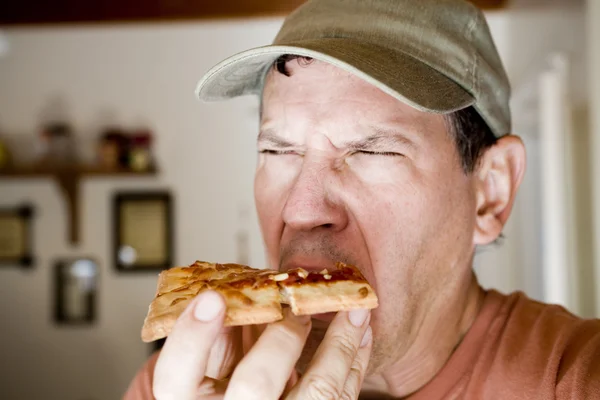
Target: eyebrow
(382,139)
(268,136)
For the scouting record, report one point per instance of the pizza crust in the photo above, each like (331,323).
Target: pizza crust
(327,297)
(162,314)
(251,306)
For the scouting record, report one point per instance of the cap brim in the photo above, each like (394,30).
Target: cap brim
(396,73)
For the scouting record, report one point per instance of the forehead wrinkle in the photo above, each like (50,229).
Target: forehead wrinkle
(380,138)
(268,135)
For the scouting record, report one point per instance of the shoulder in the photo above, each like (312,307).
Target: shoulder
(558,323)
(578,372)
(556,348)
(140,387)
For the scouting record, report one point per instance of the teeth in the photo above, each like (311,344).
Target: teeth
(327,276)
(324,272)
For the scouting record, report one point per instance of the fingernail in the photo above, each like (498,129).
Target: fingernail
(367,337)
(208,306)
(358,317)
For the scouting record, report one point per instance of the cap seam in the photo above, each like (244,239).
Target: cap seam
(475,64)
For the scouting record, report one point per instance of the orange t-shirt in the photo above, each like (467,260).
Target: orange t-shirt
(516,348)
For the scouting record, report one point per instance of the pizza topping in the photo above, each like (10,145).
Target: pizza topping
(236,296)
(177,300)
(181,288)
(243,282)
(343,272)
(280,277)
(363,291)
(302,273)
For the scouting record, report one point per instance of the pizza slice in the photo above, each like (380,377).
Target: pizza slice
(250,296)
(254,296)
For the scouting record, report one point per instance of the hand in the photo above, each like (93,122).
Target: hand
(198,344)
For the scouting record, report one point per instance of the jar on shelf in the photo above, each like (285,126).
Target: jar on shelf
(56,144)
(112,149)
(140,152)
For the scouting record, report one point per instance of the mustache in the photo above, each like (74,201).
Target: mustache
(319,247)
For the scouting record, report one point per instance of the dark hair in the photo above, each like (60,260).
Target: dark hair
(471,133)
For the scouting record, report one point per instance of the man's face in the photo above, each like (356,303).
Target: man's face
(348,173)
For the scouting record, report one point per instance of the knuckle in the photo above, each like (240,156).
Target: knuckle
(352,386)
(346,346)
(288,334)
(321,388)
(247,389)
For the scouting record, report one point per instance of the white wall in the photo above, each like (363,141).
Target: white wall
(138,74)
(593,51)
(130,75)
(526,37)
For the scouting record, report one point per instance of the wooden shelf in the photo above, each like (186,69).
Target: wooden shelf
(68,179)
(71,11)
(83,170)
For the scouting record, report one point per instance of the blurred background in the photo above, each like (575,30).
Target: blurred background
(111,170)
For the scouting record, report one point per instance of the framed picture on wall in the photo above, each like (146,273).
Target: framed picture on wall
(143,231)
(16,233)
(75,291)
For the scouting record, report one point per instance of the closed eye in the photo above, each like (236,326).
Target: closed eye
(276,152)
(379,153)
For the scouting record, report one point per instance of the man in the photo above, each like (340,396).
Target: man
(384,142)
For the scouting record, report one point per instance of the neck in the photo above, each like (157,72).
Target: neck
(437,341)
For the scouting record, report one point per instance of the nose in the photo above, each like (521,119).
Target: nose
(312,202)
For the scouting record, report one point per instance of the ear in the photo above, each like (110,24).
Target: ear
(498,176)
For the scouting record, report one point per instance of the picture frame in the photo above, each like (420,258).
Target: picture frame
(76,283)
(143,231)
(16,236)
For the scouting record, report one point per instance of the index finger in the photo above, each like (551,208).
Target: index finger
(332,364)
(265,370)
(182,363)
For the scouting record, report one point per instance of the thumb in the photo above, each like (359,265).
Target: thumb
(294,378)
(181,366)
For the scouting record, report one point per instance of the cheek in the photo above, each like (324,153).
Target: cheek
(377,170)
(407,217)
(271,187)
(388,210)
(387,198)
(265,202)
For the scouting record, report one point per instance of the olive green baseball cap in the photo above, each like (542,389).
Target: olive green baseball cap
(435,55)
